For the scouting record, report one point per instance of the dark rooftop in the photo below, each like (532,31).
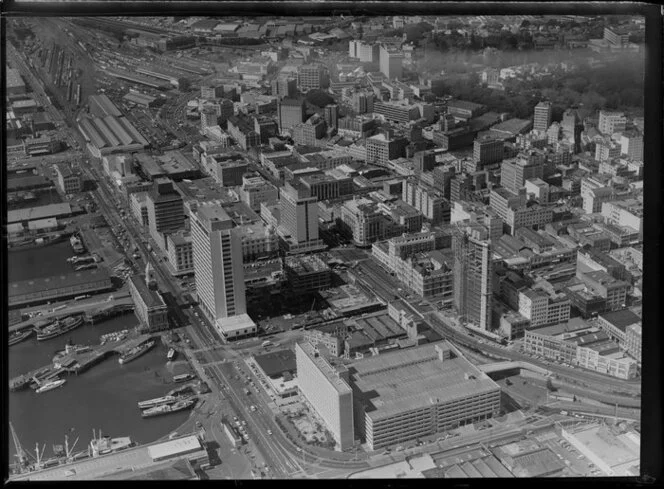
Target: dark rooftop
(277,362)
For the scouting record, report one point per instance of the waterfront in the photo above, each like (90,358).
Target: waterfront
(39,262)
(103,398)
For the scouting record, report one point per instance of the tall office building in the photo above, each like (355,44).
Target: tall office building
(331,113)
(363,102)
(211,92)
(473,270)
(219,272)
(312,77)
(165,210)
(391,63)
(326,389)
(542,117)
(299,213)
(611,122)
(290,111)
(366,53)
(515,172)
(487,151)
(572,128)
(284,87)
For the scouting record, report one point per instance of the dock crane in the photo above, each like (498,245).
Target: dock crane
(21,455)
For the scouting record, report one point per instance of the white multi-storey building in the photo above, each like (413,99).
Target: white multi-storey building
(219,272)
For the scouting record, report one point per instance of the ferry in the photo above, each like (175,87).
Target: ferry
(183,377)
(136,352)
(59,328)
(50,385)
(156,402)
(106,444)
(171,354)
(77,244)
(18,336)
(170,408)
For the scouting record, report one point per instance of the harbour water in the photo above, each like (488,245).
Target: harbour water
(104,397)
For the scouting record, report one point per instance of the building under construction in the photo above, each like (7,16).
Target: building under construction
(473,270)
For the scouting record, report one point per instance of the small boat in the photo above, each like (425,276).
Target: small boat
(171,354)
(183,377)
(49,386)
(18,336)
(170,408)
(157,402)
(60,327)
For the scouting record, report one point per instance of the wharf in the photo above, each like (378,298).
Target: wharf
(77,362)
(95,310)
(116,465)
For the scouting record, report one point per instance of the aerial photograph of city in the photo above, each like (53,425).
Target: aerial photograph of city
(324,246)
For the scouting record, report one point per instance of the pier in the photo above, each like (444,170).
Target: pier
(95,310)
(77,360)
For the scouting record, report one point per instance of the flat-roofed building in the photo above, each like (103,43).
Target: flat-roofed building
(613,291)
(180,253)
(307,273)
(149,305)
(40,290)
(15,83)
(401,112)
(611,122)
(417,392)
(473,274)
(326,389)
(69,180)
(616,455)
(165,210)
(633,341)
(542,116)
(102,106)
(290,112)
(391,62)
(219,273)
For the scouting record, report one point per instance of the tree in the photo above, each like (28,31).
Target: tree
(550,386)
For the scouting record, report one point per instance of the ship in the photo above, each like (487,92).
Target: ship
(156,402)
(30,243)
(106,444)
(59,328)
(75,260)
(183,377)
(136,352)
(77,244)
(50,385)
(170,408)
(18,336)
(171,354)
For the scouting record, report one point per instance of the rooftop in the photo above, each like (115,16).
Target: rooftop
(174,447)
(621,319)
(330,372)
(150,297)
(41,212)
(34,286)
(414,378)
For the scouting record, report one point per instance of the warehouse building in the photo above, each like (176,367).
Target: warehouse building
(41,290)
(110,134)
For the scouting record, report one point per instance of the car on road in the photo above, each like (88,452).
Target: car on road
(269,432)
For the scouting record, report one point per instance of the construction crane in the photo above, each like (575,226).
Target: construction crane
(21,455)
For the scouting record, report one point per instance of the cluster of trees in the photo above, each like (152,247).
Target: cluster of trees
(319,98)
(616,86)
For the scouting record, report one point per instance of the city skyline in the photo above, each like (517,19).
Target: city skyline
(327,246)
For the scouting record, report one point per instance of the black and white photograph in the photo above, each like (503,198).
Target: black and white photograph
(331,244)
